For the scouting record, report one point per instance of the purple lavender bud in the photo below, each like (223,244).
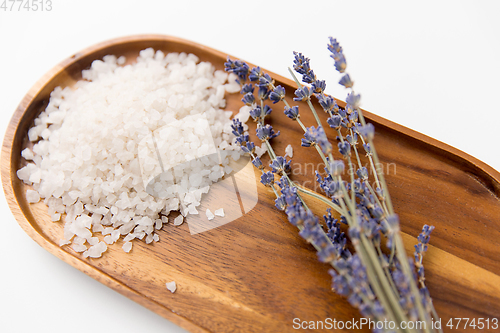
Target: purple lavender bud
(367,148)
(318,86)
(265,80)
(237,67)
(352,139)
(296,213)
(267,178)
(292,113)
(255,74)
(346,81)
(340,63)
(345,148)
(256,112)
(267,110)
(300,63)
(362,173)
(367,131)
(377,212)
(303,94)
(328,103)
(353,117)
(283,183)
(237,127)
(311,232)
(343,113)
(340,285)
(277,95)
(393,220)
(249,147)
(322,140)
(247,88)
(353,100)
(354,233)
(334,121)
(280,165)
(291,197)
(280,202)
(309,77)
(334,46)
(309,137)
(426,233)
(242,140)
(266,132)
(248,99)
(263,92)
(328,253)
(257,163)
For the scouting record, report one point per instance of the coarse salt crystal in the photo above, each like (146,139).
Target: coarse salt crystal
(219,212)
(63,242)
(27,154)
(127,247)
(172,286)
(209,214)
(95,251)
(178,220)
(259,151)
(32,196)
(79,247)
(289,151)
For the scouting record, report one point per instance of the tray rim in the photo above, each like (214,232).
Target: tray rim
(8,174)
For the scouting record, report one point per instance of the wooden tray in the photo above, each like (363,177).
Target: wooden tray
(256,274)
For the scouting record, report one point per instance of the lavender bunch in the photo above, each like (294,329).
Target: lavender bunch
(377,277)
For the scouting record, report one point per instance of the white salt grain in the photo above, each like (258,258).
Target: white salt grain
(79,247)
(63,242)
(109,240)
(219,212)
(172,286)
(178,220)
(260,150)
(95,251)
(127,247)
(209,214)
(192,209)
(128,238)
(27,154)
(32,196)
(289,151)
(93,240)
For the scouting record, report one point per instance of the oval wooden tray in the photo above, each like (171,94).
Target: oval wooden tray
(256,274)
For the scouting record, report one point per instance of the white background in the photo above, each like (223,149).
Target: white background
(433,67)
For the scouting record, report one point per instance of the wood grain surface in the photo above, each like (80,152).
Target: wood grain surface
(255,274)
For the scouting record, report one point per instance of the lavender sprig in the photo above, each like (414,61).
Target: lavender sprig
(380,286)
(297,215)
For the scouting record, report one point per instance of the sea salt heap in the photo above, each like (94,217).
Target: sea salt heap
(125,146)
